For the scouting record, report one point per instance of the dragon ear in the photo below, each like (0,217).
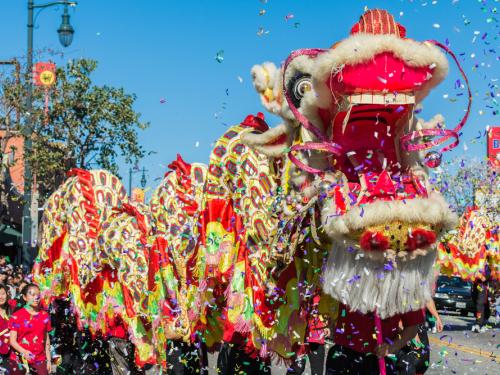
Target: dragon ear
(273,142)
(266,80)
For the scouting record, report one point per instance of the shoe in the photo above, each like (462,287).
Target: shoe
(484,329)
(475,328)
(434,330)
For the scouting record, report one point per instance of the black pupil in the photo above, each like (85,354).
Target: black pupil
(296,87)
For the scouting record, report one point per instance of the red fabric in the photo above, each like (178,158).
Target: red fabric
(4,339)
(316,325)
(378,21)
(116,329)
(420,238)
(31,330)
(39,368)
(374,241)
(356,331)
(384,72)
(12,304)
(256,122)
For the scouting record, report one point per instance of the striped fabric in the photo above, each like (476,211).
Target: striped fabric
(378,21)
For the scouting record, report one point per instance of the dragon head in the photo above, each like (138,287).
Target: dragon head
(353,141)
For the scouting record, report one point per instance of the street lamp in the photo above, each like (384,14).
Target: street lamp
(65,32)
(131,172)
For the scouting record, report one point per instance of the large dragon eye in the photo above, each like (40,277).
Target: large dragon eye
(298,86)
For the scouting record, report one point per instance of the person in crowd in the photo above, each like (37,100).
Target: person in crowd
(356,350)
(17,278)
(4,329)
(3,261)
(10,284)
(29,336)
(19,302)
(481,304)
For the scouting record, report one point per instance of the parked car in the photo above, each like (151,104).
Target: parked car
(454,294)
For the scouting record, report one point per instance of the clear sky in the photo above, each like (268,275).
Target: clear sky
(164,52)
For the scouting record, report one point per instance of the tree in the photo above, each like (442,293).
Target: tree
(460,181)
(85,126)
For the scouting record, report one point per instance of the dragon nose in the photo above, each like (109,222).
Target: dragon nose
(374,241)
(420,238)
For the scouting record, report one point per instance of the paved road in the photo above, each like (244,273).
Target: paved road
(454,351)
(457,350)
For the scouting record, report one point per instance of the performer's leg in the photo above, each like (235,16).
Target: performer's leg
(232,360)
(481,305)
(297,367)
(152,370)
(120,352)
(424,354)
(201,349)
(175,358)
(224,359)
(317,358)
(339,361)
(368,365)
(407,361)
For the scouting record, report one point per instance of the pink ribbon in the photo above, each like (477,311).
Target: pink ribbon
(445,134)
(324,144)
(380,341)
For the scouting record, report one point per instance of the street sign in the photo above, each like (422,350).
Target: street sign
(44,74)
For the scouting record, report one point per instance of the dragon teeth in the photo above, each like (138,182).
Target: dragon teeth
(383,99)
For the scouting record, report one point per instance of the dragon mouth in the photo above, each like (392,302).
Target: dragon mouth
(382,98)
(371,109)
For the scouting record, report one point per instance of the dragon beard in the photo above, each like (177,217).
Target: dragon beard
(366,284)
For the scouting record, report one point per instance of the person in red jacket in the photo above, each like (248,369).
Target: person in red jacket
(4,330)
(29,335)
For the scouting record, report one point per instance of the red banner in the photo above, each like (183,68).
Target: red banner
(494,145)
(44,74)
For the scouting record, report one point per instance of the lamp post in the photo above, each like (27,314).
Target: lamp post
(65,32)
(131,172)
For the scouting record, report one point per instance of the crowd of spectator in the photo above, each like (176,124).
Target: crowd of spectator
(14,279)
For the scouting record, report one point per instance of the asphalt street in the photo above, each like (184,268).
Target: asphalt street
(456,350)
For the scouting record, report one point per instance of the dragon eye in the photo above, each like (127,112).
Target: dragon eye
(298,86)
(302,86)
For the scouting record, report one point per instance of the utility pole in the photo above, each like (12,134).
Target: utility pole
(28,130)
(65,32)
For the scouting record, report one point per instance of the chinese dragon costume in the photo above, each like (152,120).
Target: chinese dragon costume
(335,201)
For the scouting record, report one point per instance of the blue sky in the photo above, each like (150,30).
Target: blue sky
(164,52)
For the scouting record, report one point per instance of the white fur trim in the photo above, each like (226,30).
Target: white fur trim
(431,210)
(364,285)
(260,142)
(263,76)
(362,47)
(267,76)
